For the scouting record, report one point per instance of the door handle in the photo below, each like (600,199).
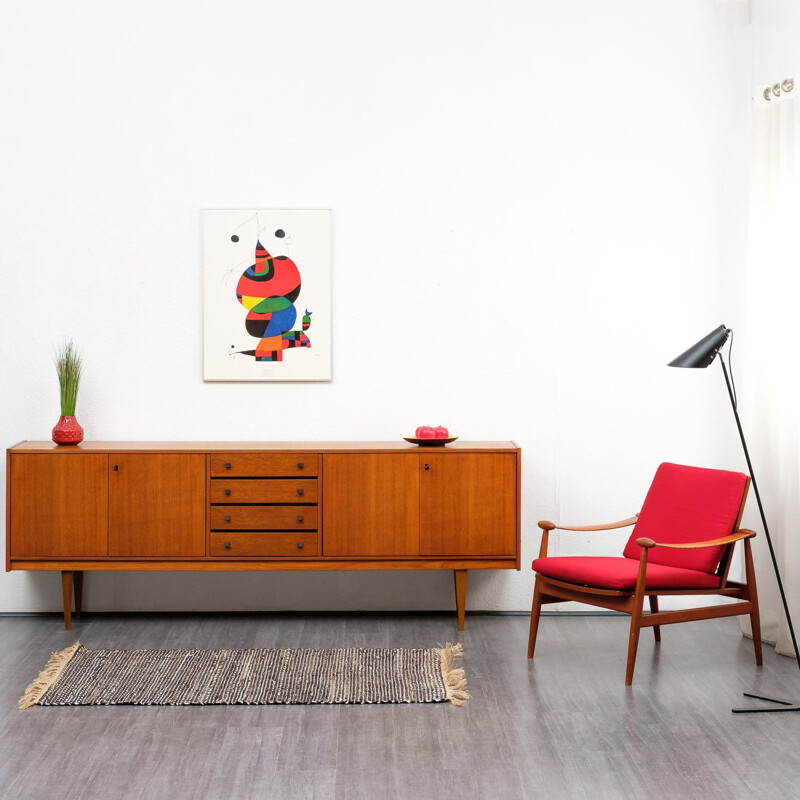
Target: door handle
(227,519)
(227,545)
(299,545)
(427,466)
(227,491)
(300,491)
(300,465)
(299,519)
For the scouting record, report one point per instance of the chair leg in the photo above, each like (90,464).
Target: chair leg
(755,624)
(633,646)
(752,596)
(637,602)
(653,598)
(535,610)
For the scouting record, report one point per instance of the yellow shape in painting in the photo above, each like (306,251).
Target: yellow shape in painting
(250,302)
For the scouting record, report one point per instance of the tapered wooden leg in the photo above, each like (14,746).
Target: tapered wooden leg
(460,577)
(535,611)
(66,592)
(77,580)
(633,641)
(752,596)
(654,610)
(636,605)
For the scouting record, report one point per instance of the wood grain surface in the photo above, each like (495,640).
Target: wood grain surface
(208,506)
(370,505)
(209,447)
(59,506)
(268,518)
(468,504)
(263,465)
(263,491)
(267,544)
(156,505)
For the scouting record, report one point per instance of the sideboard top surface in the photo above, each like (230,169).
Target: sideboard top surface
(206,447)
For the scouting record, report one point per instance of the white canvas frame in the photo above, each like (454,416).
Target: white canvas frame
(307,242)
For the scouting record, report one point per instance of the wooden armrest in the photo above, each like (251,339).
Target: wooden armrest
(744,533)
(545,525)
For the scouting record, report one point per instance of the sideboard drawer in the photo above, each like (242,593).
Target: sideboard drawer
(263,465)
(264,518)
(263,490)
(294,545)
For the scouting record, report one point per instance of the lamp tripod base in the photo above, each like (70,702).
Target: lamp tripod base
(783,705)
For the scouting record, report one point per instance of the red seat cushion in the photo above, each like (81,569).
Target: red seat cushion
(688,504)
(620,573)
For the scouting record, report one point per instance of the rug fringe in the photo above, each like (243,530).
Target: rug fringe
(454,681)
(47,677)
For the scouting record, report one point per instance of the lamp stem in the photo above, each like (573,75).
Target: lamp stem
(761,510)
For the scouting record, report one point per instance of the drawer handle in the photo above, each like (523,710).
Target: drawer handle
(227,545)
(116,467)
(227,519)
(427,466)
(300,465)
(227,465)
(299,545)
(300,491)
(227,491)
(299,519)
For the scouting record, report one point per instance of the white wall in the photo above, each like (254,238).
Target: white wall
(535,206)
(776,47)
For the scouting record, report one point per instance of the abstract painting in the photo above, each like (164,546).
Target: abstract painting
(267,295)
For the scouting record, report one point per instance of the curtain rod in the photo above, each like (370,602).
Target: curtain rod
(787,84)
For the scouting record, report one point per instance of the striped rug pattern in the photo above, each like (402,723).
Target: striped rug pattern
(78,676)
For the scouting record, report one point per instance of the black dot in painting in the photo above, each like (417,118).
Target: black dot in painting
(234,238)
(279,233)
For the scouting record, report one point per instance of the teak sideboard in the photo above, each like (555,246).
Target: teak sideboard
(261,506)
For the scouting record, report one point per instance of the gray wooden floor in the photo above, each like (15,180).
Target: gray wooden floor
(563,726)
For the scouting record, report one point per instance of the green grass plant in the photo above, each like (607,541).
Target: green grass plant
(69,363)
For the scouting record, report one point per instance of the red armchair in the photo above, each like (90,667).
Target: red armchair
(682,544)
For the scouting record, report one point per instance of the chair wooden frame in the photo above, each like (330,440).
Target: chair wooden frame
(551,590)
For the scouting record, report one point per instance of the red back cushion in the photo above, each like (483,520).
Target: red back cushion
(688,504)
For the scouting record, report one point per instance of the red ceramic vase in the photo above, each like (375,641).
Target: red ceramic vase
(68,431)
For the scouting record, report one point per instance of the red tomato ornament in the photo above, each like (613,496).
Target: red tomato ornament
(425,432)
(440,432)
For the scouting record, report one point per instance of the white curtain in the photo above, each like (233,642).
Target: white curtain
(770,398)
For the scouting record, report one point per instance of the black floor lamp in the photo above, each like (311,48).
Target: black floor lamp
(699,356)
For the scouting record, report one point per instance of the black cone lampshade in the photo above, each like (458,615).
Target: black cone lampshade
(701,354)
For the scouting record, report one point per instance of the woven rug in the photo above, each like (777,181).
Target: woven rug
(80,677)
